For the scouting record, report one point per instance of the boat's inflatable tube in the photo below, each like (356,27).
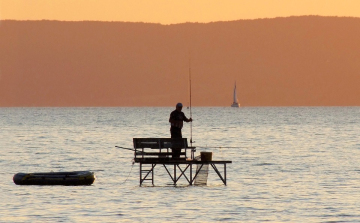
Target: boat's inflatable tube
(55,178)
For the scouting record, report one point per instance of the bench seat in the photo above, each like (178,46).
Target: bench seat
(144,148)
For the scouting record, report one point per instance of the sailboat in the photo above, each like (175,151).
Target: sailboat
(235,103)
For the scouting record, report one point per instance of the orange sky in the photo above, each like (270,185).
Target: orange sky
(172,11)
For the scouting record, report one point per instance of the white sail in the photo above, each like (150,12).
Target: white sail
(235,98)
(235,102)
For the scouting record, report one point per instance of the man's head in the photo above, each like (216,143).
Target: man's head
(179,106)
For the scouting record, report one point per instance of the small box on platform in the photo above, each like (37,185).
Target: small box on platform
(206,156)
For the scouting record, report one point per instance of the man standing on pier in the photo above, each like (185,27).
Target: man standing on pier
(177,118)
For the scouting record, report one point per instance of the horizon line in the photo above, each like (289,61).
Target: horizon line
(187,22)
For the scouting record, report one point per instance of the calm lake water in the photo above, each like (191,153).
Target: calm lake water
(298,164)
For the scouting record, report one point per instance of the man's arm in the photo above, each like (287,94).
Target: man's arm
(187,119)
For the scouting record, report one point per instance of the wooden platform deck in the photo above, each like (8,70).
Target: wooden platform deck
(174,161)
(152,152)
(179,169)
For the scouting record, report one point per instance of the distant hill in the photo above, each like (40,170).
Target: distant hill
(294,61)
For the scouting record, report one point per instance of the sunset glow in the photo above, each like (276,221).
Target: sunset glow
(169,12)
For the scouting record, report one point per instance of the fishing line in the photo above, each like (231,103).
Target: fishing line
(133,162)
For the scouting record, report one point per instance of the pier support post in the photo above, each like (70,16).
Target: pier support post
(145,173)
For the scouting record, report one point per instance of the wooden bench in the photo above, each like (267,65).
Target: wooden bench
(160,148)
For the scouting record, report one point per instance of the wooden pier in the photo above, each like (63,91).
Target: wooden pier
(152,152)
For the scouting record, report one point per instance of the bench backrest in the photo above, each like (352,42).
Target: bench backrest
(160,143)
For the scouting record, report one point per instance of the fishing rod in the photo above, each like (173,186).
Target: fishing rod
(125,148)
(138,152)
(191,141)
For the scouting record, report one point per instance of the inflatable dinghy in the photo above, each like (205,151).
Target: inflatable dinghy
(74,178)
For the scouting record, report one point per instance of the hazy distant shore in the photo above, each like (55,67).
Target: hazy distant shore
(294,61)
